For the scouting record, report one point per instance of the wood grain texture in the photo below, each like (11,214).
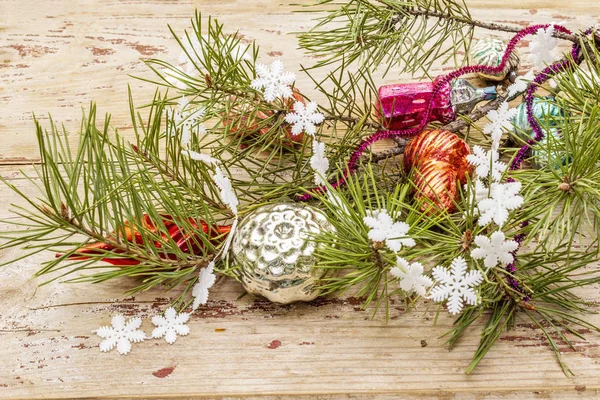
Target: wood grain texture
(56,56)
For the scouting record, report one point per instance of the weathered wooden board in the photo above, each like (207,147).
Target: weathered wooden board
(56,56)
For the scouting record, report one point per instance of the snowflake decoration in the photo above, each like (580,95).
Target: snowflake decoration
(520,84)
(477,192)
(226,194)
(205,158)
(319,163)
(542,47)
(188,120)
(304,118)
(186,134)
(411,276)
(229,239)
(586,77)
(500,120)
(192,46)
(239,52)
(486,161)
(275,81)
(120,334)
(206,279)
(384,229)
(504,197)
(171,325)
(174,80)
(480,191)
(337,201)
(495,249)
(456,285)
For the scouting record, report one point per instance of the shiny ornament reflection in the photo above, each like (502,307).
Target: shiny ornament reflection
(489,51)
(274,253)
(438,162)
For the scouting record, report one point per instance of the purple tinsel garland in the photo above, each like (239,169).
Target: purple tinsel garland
(439,82)
(442,80)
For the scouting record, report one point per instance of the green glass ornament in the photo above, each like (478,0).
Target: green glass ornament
(548,114)
(273,252)
(489,51)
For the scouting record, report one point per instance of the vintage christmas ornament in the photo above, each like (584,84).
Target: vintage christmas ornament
(187,241)
(245,120)
(548,114)
(438,161)
(404,105)
(489,51)
(273,252)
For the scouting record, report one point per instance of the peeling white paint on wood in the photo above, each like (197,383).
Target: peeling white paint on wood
(56,57)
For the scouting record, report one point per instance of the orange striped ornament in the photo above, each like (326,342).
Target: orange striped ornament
(438,163)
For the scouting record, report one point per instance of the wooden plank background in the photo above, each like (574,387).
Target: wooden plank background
(55,57)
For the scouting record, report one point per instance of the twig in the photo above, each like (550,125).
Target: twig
(353,120)
(393,152)
(485,25)
(477,114)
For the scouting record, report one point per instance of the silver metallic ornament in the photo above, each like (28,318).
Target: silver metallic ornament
(489,51)
(274,254)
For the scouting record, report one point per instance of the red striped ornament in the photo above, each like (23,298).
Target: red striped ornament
(438,163)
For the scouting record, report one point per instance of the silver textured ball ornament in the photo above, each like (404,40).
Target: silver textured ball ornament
(489,51)
(273,253)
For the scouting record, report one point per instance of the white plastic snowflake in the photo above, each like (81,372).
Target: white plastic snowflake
(411,276)
(206,279)
(120,334)
(337,201)
(239,52)
(478,192)
(319,163)
(542,47)
(205,158)
(275,81)
(188,118)
(586,77)
(495,249)
(174,78)
(384,229)
(193,49)
(171,325)
(500,120)
(521,83)
(456,285)
(229,239)
(226,194)
(304,118)
(186,134)
(486,161)
(504,197)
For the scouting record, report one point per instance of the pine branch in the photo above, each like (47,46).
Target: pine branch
(492,26)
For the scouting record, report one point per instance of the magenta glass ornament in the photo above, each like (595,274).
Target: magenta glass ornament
(403,105)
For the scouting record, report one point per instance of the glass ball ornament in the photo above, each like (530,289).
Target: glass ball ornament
(548,114)
(437,160)
(489,51)
(273,252)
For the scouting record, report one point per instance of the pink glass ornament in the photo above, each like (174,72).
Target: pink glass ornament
(404,105)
